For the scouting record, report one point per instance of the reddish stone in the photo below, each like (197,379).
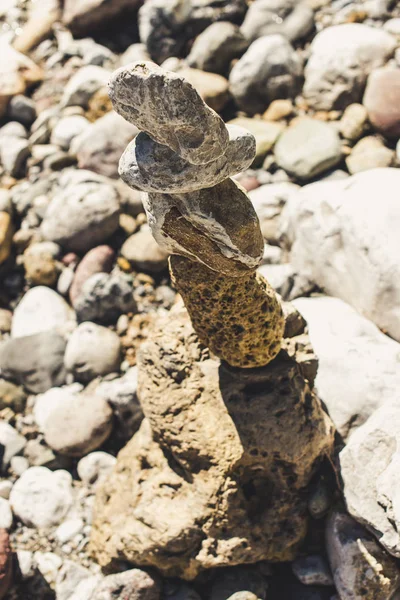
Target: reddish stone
(70,259)
(382,101)
(97,260)
(5,563)
(249,182)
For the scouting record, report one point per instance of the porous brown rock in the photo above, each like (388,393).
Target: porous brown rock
(217,226)
(218,473)
(241,321)
(169,109)
(151,167)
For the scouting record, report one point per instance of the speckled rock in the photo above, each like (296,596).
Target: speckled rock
(360,567)
(151,167)
(215,48)
(166,27)
(270,69)
(216,226)
(104,297)
(169,109)
(239,489)
(133,585)
(245,310)
(73,424)
(34,361)
(6,233)
(341,58)
(382,100)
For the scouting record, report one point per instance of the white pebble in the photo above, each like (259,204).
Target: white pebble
(6,516)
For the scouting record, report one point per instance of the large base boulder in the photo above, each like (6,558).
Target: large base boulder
(218,473)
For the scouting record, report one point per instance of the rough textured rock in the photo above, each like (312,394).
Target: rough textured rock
(83,213)
(144,253)
(245,310)
(168,108)
(99,147)
(105,297)
(151,167)
(347,243)
(98,260)
(369,464)
(73,425)
(308,148)
(290,18)
(216,226)
(133,584)
(215,48)
(81,16)
(6,233)
(92,351)
(41,498)
(42,309)
(359,366)
(166,27)
(213,88)
(270,69)
(197,496)
(360,567)
(341,58)
(382,100)
(34,361)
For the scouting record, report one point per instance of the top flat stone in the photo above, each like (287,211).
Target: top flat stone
(169,110)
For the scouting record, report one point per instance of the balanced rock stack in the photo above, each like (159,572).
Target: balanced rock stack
(219,473)
(183,160)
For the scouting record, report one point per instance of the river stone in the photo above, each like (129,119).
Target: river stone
(169,109)
(270,69)
(133,585)
(346,242)
(144,253)
(6,234)
(11,444)
(216,226)
(212,87)
(290,18)
(353,122)
(360,567)
(245,310)
(268,201)
(42,309)
(12,396)
(34,361)
(82,16)
(369,465)
(359,366)
(83,84)
(341,59)
(98,260)
(215,48)
(308,148)
(67,129)
(382,100)
(369,153)
(57,413)
(151,167)
(95,466)
(83,213)
(166,27)
(99,147)
(92,351)
(41,498)
(248,466)
(265,133)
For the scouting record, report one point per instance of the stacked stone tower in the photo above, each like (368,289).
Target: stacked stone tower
(218,472)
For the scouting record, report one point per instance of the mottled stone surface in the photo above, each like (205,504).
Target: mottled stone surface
(151,167)
(213,477)
(240,320)
(217,226)
(169,109)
